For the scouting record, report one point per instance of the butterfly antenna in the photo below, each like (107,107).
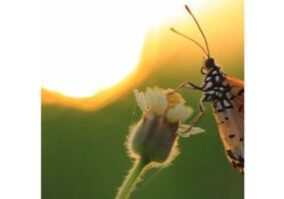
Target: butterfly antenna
(198,44)
(202,33)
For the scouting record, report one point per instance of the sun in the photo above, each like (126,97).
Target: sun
(91,46)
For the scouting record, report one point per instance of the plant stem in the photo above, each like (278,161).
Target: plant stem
(131,180)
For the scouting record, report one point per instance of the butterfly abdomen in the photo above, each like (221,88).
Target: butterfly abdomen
(227,103)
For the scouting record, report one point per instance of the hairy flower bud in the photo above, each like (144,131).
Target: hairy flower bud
(154,137)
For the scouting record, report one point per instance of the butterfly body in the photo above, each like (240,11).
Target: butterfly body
(226,95)
(228,108)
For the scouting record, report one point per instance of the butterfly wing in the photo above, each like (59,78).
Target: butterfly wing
(231,124)
(237,90)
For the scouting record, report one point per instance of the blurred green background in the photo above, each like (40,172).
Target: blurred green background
(83,152)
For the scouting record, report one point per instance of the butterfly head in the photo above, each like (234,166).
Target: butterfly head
(209,64)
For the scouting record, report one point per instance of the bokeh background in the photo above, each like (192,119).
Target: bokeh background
(83,152)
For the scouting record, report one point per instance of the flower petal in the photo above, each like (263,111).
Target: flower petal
(178,113)
(156,100)
(193,131)
(173,98)
(141,100)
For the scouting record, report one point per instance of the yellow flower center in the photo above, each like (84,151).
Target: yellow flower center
(173,98)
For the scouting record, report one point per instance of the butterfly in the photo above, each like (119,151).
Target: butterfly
(226,94)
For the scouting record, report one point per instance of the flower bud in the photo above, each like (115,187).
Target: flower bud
(154,137)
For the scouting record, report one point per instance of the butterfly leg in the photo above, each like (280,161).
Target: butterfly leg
(189,85)
(197,116)
(200,105)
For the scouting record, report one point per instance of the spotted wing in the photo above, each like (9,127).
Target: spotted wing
(237,90)
(231,124)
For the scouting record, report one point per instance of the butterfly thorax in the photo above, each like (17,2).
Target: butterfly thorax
(217,90)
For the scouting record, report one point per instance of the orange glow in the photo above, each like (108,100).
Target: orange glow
(92,102)
(156,47)
(105,96)
(82,60)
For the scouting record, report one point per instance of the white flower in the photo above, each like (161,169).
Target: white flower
(141,100)
(168,104)
(179,113)
(156,100)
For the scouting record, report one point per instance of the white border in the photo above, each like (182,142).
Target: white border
(264,99)
(20,100)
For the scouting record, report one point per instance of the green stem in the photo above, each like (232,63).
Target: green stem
(131,180)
